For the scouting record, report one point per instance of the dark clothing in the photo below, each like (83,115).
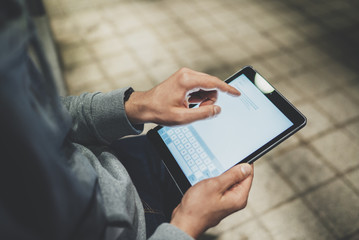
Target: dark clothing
(157,190)
(52,185)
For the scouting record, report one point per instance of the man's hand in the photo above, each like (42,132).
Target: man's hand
(205,204)
(167,103)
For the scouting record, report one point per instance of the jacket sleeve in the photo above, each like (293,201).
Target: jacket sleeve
(168,231)
(99,117)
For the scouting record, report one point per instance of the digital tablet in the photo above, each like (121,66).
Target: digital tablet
(247,127)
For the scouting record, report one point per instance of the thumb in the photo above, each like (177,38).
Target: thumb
(234,175)
(202,112)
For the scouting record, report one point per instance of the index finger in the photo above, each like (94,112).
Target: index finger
(208,82)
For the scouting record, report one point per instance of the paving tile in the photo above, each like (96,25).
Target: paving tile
(338,73)
(354,178)
(353,237)
(249,231)
(152,12)
(209,4)
(97,31)
(137,80)
(268,189)
(203,24)
(295,221)
(122,64)
(339,106)
(230,53)
(302,168)
(63,7)
(87,18)
(185,45)
(141,39)
(154,57)
(117,12)
(268,22)
(338,22)
(252,11)
(354,129)
(81,74)
(317,122)
(164,70)
(196,60)
(259,44)
(310,29)
(107,47)
(338,205)
(222,72)
(353,90)
(182,9)
(127,23)
(289,143)
(233,221)
(312,83)
(221,16)
(290,16)
(215,39)
(292,93)
(77,55)
(311,55)
(239,29)
(170,30)
(65,30)
(278,69)
(338,149)
(288,37)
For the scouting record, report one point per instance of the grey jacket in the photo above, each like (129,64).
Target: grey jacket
(52,186)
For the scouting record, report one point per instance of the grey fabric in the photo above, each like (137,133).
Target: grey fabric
(57,178)
(98,118)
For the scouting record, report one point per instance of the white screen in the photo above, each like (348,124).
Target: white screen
(209,147)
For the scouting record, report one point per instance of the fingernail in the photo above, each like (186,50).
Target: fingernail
(246,169)
(217,110)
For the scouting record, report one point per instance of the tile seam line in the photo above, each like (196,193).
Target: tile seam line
(302,197)
(190,32)
(140,64)
(163,42)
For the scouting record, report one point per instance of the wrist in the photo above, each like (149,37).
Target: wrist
(136,108)
(191,229)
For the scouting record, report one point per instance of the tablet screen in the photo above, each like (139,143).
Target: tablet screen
(210,147)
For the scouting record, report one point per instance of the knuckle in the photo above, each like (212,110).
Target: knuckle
(183,69)
(244,203)
(238,205)
(184,74)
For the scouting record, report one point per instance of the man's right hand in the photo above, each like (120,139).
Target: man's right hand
(205,204)
(168,103)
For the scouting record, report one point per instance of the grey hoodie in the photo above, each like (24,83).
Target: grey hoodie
(52,186)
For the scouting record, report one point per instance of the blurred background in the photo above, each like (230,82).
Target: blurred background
(308,187)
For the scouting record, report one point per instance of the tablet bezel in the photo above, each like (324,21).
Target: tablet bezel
(292,113)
